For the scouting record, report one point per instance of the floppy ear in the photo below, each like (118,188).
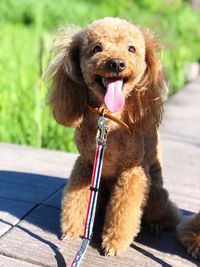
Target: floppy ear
(148,94)
(67,97)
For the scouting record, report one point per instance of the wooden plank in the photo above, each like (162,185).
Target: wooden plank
(35,238)
(10,262)
(55,200)
(38,236)
(180,142)
(181,171)
(28,187)
(11,212)
(34,160)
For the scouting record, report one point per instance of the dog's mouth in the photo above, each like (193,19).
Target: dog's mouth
(113,89)
(102,81)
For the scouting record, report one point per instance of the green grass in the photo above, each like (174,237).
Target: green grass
(27,30)
(25,117)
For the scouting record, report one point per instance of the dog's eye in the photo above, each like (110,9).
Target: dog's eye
(97,49)
(131,49)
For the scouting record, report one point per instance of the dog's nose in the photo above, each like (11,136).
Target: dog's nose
(116,65)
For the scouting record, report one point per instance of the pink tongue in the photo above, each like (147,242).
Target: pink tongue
(114,98)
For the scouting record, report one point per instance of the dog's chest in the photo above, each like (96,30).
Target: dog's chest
(122,149)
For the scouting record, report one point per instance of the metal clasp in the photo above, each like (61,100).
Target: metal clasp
(102,130)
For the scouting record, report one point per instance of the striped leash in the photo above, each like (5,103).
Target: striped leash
(96,177)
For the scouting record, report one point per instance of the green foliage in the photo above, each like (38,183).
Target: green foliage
(27,30)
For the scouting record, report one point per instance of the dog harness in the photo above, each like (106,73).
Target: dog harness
(101,138)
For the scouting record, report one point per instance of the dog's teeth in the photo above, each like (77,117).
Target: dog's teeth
(103,82)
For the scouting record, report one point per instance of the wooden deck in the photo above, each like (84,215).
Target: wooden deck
(32,180)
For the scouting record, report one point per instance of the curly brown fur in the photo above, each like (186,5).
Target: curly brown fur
(188,233)
(132,168)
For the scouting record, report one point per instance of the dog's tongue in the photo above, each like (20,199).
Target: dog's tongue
(114,98)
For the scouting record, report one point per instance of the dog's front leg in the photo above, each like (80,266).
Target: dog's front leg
(124,210)
(74,202)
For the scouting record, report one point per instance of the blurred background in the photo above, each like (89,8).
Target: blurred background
(27,28)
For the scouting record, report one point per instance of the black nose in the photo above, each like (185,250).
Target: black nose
(116,65)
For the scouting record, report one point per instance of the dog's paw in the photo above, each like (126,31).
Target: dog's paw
(114,246)
(69,236)
(71,232)
(194,251)
(109,251)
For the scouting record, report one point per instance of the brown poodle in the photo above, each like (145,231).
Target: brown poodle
(188,233)
(112,64)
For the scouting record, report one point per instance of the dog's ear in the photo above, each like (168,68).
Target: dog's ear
(67,97)
(149,93)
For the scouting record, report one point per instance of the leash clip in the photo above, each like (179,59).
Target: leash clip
(102,130)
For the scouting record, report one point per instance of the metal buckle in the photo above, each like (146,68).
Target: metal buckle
(102,130)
